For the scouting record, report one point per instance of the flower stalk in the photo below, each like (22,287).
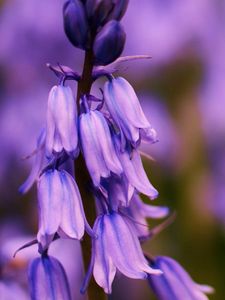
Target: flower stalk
(84,86)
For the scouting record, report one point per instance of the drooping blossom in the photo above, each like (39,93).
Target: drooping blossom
(97,145)
(61,209)
(117,247)
(47,279)
(175,283)
(126,111)
(61,130)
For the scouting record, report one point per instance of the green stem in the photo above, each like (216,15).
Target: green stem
(83,178)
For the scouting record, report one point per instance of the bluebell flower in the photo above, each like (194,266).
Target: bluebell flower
(97,146)
(126,111)
(61,122)
(117,247)
(48,280)
(61,209)
(37,164)
(139,211)
(134,171)
(175,283)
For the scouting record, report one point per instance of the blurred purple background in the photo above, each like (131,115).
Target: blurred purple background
(182,90)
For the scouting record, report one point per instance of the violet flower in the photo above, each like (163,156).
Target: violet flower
(47,280)
(139,211)
(97,146)
(175,283)
(117,247)
(134,171)
(61,209)
(61,122)
(126,111)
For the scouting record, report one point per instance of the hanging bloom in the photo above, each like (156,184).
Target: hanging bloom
(48,280)
(175,283)
(134,171)
(60,207)
(37,164)
(61,122)
(117,247)
(139,211)
(97,146)
(126,111)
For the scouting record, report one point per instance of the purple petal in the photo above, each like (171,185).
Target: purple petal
(175,283)
(47,280)
(104,270)
(135,173)
(72,221)
(91,150)
(147,210)
(37,165)
(65,116)
(124,248)
(50,198)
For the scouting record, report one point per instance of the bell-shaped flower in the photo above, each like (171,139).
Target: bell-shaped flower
(134,171)
(48,280)
(97,146)
(61,122)
(175,283)
(139,211)
(60,206)
(37,164)
(126,111)
(117,247)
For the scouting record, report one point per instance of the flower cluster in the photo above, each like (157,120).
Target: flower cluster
(107,132)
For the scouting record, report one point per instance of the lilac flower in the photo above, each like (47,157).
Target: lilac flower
(134,171)
(97,146)
(37,164)
(60,206)
(175,283)
(139,211)
(61,122)
(117,247)
(126,111)
(48,280)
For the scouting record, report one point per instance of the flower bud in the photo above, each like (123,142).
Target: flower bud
(98,11)
(75,23)
(120,7)
(109,43)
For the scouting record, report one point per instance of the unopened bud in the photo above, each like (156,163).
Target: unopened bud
(120,7)
(75,23)
(98,11)
(109,43)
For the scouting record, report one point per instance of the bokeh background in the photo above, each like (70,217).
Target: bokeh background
(182,90)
